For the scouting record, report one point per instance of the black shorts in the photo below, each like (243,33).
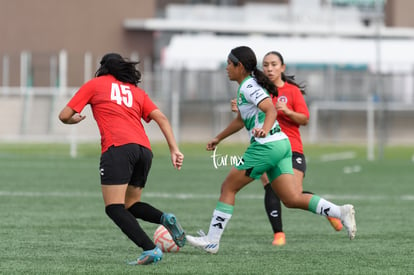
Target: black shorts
(129,163)
(299,162)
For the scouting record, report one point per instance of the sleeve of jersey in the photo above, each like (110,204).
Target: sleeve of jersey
(147,108)
(255,94)
(81,97)
(300,104)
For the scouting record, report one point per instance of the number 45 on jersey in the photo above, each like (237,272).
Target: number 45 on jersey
(121,94)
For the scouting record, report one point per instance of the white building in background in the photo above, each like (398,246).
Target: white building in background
(209,52)
(189,82)
(353,63)
(304,31)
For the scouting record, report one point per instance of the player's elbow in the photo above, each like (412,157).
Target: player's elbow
(66,114)
(305,122)
(159,117)
(64,117)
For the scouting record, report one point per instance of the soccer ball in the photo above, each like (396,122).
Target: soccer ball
(164,241)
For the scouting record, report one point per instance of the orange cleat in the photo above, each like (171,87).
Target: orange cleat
(336,223)
(279,239)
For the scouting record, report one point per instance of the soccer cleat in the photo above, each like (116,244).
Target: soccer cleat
(169,221)
(148,257)
(348,219)
(279,239)
(335,223)
(203,243)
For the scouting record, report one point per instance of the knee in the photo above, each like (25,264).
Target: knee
(113,210)
(135,205)
(290,202)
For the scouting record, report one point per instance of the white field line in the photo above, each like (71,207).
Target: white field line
(338,156)
(187,196)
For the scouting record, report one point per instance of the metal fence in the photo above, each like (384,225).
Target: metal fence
(198,103)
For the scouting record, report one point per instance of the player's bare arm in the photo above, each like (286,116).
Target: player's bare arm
(235,125)
(70,116)
(267,107)
(177,157)
(298,118)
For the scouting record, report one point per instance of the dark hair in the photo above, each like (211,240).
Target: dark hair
(247,57)
(288,78)
(123,70)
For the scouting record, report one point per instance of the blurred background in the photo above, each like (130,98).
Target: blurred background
(356,58)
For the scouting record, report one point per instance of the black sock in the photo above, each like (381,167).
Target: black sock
(129,225)
(146,212)
(273,208)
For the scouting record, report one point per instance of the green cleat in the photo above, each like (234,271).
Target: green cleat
(169,221)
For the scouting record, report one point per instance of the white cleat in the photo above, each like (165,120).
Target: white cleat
(348,219)
(203,243)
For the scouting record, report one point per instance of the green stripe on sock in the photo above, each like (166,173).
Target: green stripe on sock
(224,207)
(314,203)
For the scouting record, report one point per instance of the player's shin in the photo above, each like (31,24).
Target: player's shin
(323,207)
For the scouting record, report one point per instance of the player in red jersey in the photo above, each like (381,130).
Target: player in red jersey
(292,112)
(118,106)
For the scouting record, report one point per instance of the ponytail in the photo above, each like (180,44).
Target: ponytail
(123,70)
(247,58)
(291,80)
(265,82)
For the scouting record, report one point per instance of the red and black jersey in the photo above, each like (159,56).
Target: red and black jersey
(292,96)
(117,108)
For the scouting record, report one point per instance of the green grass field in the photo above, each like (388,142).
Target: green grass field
(52,218)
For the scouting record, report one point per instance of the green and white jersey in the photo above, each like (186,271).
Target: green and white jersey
(249,95)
